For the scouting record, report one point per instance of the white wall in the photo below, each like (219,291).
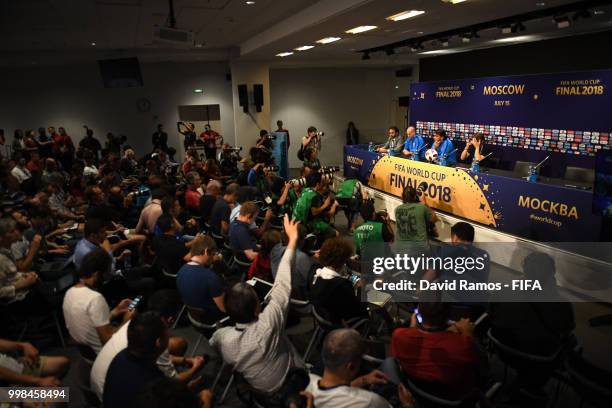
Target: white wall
(247,125)
(329,98)
(73,96)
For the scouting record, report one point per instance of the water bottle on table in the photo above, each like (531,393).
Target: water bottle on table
(475,166)
(532,175)
(371,147)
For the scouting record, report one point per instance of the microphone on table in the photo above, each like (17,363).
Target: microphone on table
(449,153)
(540,163)
(485,157)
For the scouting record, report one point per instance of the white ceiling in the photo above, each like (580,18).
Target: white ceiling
(55,31)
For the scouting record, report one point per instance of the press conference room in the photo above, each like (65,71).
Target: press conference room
(306,203)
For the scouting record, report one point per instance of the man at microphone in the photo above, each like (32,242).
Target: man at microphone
(394,144)
(414,147)
(445,148)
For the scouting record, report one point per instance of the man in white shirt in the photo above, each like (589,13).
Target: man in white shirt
(166,303)
(20,171)
(340,387)
(258,347)
(86,312)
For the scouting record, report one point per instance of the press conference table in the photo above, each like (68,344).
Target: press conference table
(578,185)
(551,209)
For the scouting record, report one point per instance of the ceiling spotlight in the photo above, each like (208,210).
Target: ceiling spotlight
(249,3)
(366,56)
(389,51)
(453,1)
(540,4)
(93,44)
(284,54)
(598,12)
(562,21)
(466,38)
(360,29)
(304,48)
(444,42)
(198,90)
(328,40)
(507,29)
(405,15)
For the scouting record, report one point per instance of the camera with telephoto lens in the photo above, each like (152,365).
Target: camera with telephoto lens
(382,216)
(320,134)
(327,178)
(298,182)
(271,168)
(422,188)
(329,169)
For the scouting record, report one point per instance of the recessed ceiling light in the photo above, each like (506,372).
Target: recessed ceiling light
(598,12)
(540,4)
(405,15)
(284,54)
(420,32)
(198,90)
(328,40)
(93,44)
(453,1)
(437,52)
(250,3)
(360,29)
(304,48)
(562,21)
(396,86)
(518,38)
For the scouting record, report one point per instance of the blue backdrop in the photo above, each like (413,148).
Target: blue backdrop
(574,101)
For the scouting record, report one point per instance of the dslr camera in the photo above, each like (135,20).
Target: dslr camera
(329,169)
(320,134)
(299,181)
(271,168)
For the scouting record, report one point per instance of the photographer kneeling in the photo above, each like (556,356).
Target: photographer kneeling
(376,228)
(314,209)
(350,196)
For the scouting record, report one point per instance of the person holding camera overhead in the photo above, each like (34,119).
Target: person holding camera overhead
(394,143)
(187,129)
